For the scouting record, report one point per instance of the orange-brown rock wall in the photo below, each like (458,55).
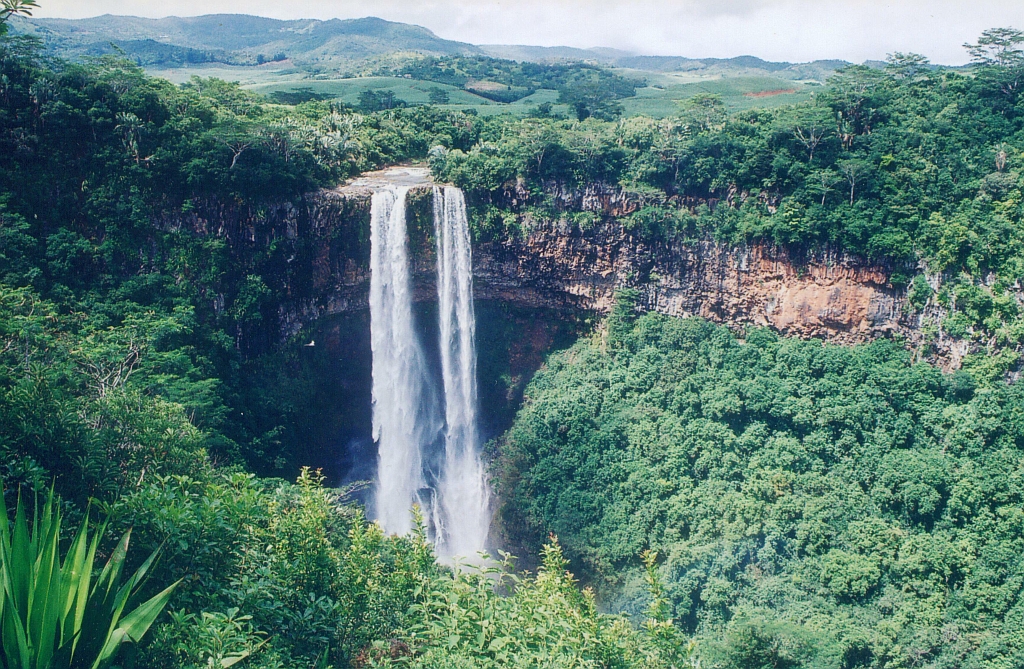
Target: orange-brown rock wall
(831,296)
(322,268)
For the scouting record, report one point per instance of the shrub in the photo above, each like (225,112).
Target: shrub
(52,613)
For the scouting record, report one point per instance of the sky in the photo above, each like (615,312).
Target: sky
(790,30)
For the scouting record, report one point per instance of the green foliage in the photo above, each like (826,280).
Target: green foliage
(589,89)
(52,613)
(920,292)
(9,8)
(305,579)
(898,164)
(379,100)
(298,95)
(545,621)
(1001,58)
(655,223)
(290,558)
(756,643)
(76,401)
(814,503)
(705,112)
(439,96)
(217,640)
(622,317)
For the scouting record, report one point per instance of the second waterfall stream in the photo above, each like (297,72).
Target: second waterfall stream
(407,422)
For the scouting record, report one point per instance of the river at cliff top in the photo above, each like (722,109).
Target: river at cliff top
(410,176)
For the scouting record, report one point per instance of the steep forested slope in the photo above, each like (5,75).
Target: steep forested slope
(843,504)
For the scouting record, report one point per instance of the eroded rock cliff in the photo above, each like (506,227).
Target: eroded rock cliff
(833,297)
(554,264)
(322,268)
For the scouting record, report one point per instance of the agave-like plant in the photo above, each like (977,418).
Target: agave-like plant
(53,613)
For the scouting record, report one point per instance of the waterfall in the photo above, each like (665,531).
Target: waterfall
(401,420)
(406,421)
(462,495)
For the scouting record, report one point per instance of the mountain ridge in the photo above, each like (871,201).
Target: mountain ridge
(242,39)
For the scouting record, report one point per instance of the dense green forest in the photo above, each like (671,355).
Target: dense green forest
(884,162)
(782,503)
(841,505)
(913,167)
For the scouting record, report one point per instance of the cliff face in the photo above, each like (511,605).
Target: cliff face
(554,264)
(321,267)
(833,297)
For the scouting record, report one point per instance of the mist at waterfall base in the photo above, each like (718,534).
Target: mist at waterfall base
(426,456)
(334,422)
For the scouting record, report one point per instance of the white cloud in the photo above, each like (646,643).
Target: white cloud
(793,30)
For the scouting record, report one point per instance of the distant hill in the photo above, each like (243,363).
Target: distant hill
(237,39)
(551,54)
(343,59)
(817,70)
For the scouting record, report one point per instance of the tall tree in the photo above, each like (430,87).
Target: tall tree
(999,53)
(855,171)
(809,126)
(855,94)
(999,47)
(705,111)
(906,66)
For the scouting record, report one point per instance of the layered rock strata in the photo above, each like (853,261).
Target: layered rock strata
(322,266)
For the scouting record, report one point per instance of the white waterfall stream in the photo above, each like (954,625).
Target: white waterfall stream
(401,421)
(462,494)
(405,422)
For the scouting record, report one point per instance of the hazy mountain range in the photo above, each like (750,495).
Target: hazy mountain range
(237,39)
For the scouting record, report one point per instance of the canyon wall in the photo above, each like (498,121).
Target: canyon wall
(323,268)
(832,297)
(555,264)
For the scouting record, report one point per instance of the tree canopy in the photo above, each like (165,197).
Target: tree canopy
(815,505)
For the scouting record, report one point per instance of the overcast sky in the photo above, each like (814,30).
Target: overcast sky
(794,30)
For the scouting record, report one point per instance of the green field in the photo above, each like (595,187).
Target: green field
(271,73)
(660,98)
(412,91)
(665,93)
(519,107)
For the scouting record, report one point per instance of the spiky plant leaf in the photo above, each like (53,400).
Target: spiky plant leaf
(53,614)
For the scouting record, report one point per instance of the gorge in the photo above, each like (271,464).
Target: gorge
(537,289)
(555,264)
